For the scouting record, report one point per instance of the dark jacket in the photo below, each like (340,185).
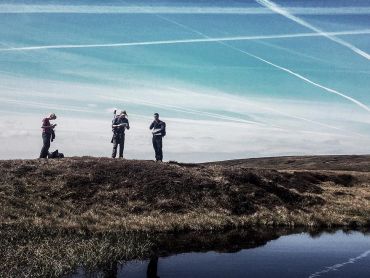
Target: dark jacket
(48,129)
(118,121)
(119,132)
(158,128)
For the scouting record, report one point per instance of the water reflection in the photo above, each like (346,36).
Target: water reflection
(152,267)
(251,253)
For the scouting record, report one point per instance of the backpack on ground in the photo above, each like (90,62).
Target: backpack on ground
(56,154)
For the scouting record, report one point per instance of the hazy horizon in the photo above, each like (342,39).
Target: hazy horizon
(231,79)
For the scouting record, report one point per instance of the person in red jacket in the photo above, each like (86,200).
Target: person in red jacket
(47,134)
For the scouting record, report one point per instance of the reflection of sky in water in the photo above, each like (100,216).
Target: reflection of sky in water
(187,81)
(289,256)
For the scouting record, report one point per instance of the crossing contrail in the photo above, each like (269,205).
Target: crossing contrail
(203,40)
(276,8)
(288,50)
(330,90)
(225,44)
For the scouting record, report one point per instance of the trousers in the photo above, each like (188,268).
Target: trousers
(45,145)
(118,140)
(157,145)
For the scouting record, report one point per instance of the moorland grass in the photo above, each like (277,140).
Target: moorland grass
(58,215)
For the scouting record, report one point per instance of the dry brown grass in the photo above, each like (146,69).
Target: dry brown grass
(105,194)
(32,252)
(59,214)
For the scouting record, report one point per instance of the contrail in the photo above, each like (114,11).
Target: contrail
(293,116)
(45,105)
(276,8)
(337,266)
(122,9)
(189,111)
(293,52)
(332,91)
(223,117)
(206,39)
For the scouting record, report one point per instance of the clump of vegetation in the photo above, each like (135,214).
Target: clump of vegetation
(57,215)
(36,252)
(105,194)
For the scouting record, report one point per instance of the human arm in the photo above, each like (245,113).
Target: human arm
(159,128)
(49,126)
(52,135)
(151,126)
(115,122)
(46,124)
(124,124)
(120,123)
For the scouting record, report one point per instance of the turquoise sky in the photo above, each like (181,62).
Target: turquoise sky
(284,77)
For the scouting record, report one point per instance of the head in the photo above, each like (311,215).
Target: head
(52,116)
(123,114)
(156,116)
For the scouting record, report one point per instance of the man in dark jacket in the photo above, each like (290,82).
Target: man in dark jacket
(119,125)
(158,130)
(47,134)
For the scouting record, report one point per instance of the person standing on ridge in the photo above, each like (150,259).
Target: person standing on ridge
(158,130)
(48,134)
(119,125)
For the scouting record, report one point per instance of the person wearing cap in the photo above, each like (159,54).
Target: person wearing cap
(158,130)
(119,125)
(48,134)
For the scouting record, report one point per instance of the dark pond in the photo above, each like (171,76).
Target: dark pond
(253,254)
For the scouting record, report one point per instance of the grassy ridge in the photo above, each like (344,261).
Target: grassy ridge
(104,194)
(57,215)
